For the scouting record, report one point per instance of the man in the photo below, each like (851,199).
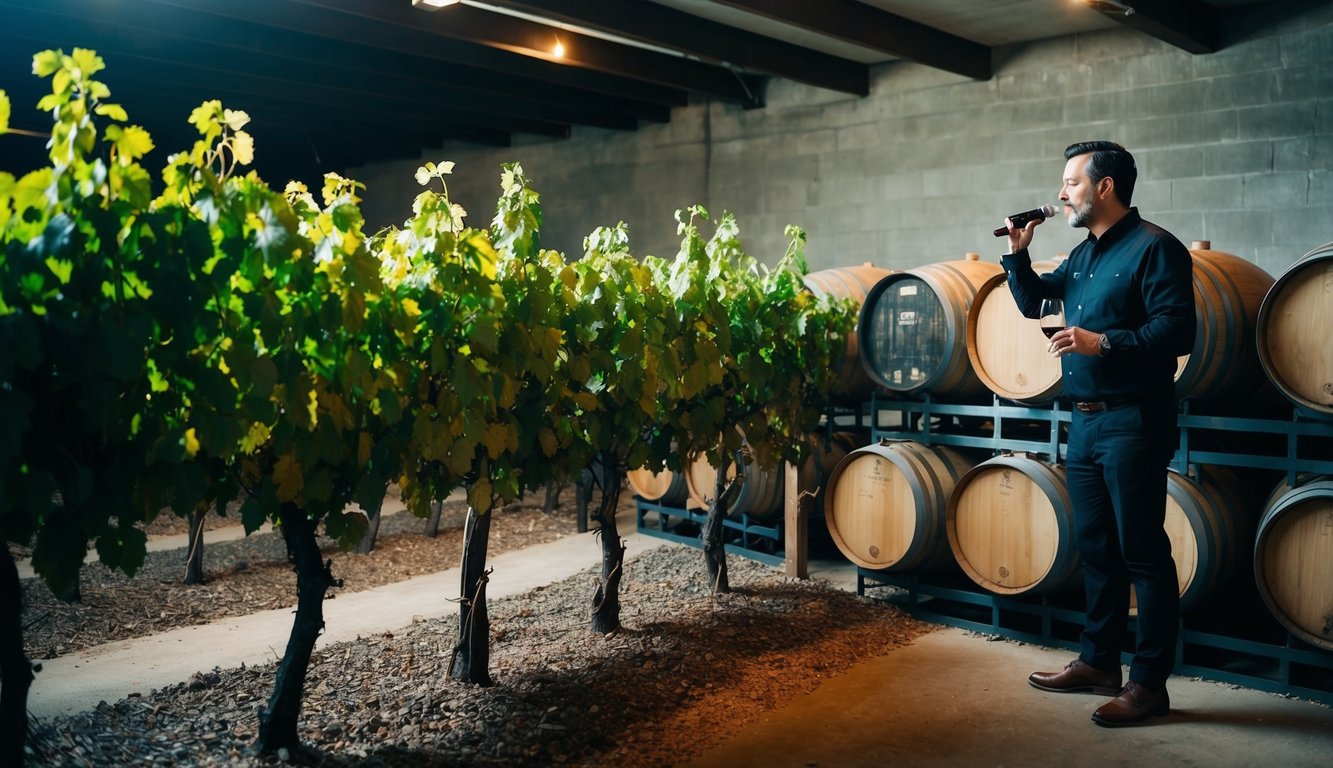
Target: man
(1129,307)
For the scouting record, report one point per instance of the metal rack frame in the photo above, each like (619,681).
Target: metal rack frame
(745,533)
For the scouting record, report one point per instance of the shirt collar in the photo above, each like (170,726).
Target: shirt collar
(1127,222)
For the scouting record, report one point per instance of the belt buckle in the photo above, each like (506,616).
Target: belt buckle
(1092,407)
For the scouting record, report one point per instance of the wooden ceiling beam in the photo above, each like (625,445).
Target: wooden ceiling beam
(1187,24)
(867,26)
(668,28)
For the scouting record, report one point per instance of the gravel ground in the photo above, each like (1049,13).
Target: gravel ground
(688,670)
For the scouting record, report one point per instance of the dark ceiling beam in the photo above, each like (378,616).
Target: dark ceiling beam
(154,110)
(169,31)
(867,26)
(676,30)
(206,83)
(1188,24)
(329,83)
(293,17)
(535,40)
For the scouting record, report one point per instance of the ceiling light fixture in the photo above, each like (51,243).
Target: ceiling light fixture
(1104,5)
(433,5)
(559,49)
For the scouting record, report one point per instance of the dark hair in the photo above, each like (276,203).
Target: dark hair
(1108,159)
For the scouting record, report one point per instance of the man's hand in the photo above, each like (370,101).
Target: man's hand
(1020,238)
(1075,340)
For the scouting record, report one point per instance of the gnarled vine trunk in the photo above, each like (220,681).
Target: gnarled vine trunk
(472,655)
(194,558)
(367,543)
(15,669)
(433,522)
(278,721)
(715,553)
(606,599)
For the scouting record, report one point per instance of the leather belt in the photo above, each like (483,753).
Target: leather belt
(1097,406)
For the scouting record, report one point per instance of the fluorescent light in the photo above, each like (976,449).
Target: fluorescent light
(432,5)
(1109,5)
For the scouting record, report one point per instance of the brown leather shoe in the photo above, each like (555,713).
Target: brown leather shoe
(1078,677)
(1135,704)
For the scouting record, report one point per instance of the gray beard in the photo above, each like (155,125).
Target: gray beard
(1081,215)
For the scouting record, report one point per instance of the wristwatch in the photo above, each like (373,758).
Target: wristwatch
(1105,345)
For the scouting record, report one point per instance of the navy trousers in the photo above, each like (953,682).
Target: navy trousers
(1116,472)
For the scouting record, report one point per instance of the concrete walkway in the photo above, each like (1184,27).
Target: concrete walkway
(954,698)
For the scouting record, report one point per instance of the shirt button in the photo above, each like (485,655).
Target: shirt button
(1080,306)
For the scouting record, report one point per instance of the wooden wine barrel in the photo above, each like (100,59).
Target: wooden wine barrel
(1011,527)
(1210,527)
(913,329)
(849,283)
(663,486)
(1223,367)
(1009,351)
(1293,560)
(885,505)
(760,496)
(1295,344)
(826,451)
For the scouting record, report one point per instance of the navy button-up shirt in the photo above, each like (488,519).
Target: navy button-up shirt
(1135,284)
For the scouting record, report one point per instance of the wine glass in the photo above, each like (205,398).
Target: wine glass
(1052,316)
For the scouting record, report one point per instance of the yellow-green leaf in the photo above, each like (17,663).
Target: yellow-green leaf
(257,436)
(87,61)
(243,144)
(496,439)
(364,444)
(479,496)
(45,63)
(113,111)
(4,112)
(287,475)
(549,444)
(204,118)
(191,443)
(235,119)
(131,141)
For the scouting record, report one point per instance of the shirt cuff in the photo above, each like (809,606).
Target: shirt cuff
(1015,260)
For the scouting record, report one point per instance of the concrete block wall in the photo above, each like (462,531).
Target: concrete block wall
(1234,147)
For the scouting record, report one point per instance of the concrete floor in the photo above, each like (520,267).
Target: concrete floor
(952,698)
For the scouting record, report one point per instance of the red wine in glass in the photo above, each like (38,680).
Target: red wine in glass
(1052,317)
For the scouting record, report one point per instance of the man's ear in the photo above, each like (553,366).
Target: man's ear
(1105,187)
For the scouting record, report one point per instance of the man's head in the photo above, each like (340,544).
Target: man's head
(1097,174)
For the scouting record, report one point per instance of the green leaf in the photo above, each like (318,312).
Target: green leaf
(252,515)
(4,112)
(61,268)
